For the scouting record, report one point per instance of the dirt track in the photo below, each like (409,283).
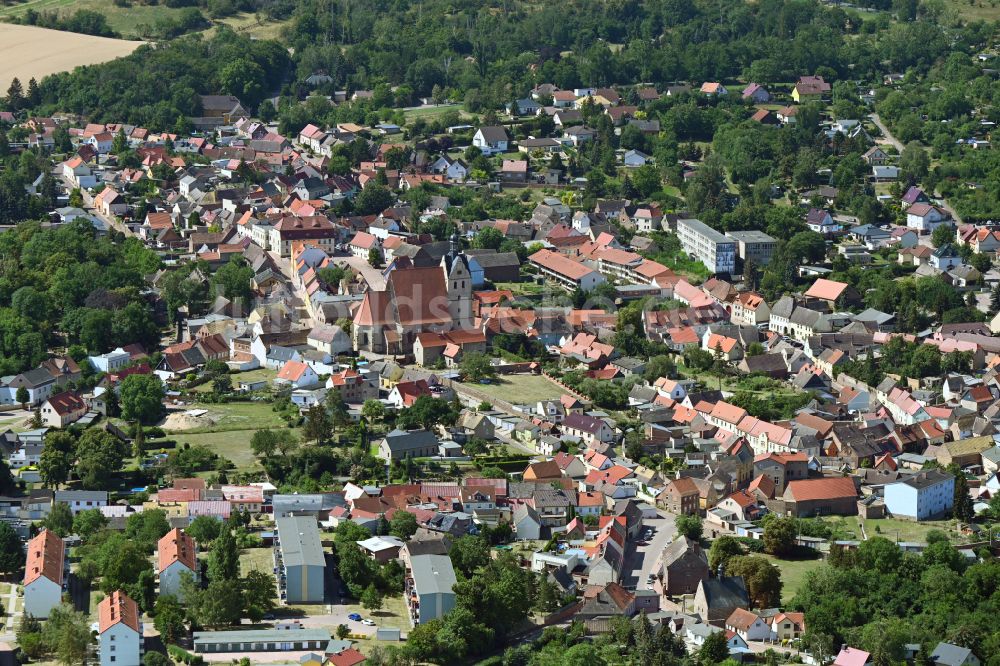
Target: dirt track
(27,51)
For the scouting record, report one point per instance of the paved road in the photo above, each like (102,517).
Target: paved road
(645,559)
(88,205)
(898,145)
(886,134)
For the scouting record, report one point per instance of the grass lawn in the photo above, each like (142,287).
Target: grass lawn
(391,615)
(977,10)
(793,574)
(237,416)
(526,288)
(521,389)
(906,530)
(232,444)
(15,424)
(431,112)
(229,435)
(247,24)
(260,374)
(259,559)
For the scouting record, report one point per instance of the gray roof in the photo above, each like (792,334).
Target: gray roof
(493,134)
(495,259)
(432,574)
(873,315)
(261,636)
(81,496)
(33,378)
(726,592)
(751,236)
(305,503)
(428,547)
(705,231)
(950,655)
(280,353)
(925,479)
(300,546)
(402,440)
(784,307)
(523,511)
(681,547)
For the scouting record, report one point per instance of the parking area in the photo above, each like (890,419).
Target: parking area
(644,559)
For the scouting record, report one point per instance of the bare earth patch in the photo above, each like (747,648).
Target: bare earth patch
(27,51)
(185,421)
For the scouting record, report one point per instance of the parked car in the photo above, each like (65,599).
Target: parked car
(355,617)
(367,622)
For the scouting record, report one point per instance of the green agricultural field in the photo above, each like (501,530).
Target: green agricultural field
(127,20)
(123,20)
(520,389)
(975,10)
(248,24)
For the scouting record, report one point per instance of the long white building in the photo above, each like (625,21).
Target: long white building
(713,248)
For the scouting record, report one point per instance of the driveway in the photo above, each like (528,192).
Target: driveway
(643,560)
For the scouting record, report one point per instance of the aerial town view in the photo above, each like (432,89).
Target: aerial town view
(499,332)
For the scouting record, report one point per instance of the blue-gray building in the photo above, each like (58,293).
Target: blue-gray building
(921,496)
(300,561)
(429,594)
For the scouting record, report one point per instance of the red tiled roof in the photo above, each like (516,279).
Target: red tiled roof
(66,402)
(118,608)
(827,290)
(821,489)
(176,546)
(292,371)
(46,553)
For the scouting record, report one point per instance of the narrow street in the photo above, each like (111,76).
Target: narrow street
(889,138)
(88,205)
(645,560)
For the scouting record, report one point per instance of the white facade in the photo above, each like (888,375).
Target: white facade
(120,645)
(41,596)
(711,247)
(113,360)
(170,578)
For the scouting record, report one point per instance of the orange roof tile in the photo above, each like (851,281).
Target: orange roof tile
(46,555)
(827,290)
(176,546)
(118,608)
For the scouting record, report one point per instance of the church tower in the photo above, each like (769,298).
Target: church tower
(458,277)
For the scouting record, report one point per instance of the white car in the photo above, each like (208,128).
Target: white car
(367,622)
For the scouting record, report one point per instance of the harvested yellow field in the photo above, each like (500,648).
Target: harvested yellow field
(27,51)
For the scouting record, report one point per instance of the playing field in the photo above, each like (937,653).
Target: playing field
(27,51)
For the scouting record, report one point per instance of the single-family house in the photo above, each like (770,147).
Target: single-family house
(491,139)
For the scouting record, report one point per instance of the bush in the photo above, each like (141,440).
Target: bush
(181,655)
